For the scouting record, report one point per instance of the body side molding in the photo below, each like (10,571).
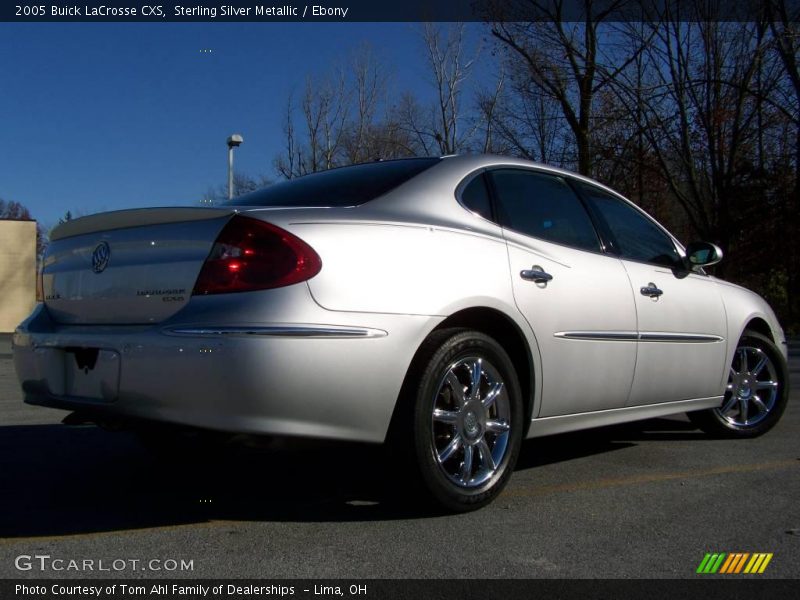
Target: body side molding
(305,331)
(633,336)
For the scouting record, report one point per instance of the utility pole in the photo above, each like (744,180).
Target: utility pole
(234,141)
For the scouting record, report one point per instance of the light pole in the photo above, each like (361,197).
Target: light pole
(233,141)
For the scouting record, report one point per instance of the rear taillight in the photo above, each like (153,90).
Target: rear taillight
(253,255)
(39,285)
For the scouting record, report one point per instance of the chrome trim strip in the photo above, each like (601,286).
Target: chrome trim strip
(632,336)
(304,331)
(613,336)
(696,338)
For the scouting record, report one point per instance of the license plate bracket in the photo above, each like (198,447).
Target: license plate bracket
(91,373)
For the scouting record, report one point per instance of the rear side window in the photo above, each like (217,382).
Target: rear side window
(345,186)
(543,206)
(475,197)
(636,237)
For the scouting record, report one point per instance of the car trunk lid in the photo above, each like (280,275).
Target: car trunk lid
(128,267)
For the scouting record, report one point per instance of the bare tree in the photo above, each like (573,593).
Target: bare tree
(450,68)
(563,61)
(415,121)
(242,184)
(785,28)
(324,111)
(443,127)
(343,119)
(287,164)
(14,211)
(699,113)
(368,92)
(528,124)
(490,104)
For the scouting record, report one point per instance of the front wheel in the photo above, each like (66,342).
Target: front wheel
(467,419)
(756,393)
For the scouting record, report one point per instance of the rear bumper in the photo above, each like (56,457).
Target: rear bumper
(335,378)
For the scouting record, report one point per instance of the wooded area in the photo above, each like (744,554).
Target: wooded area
(694,118)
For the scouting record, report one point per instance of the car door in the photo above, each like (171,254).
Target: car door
(577,300)
(680,314)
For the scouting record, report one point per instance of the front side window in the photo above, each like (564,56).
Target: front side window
(636,237)
(543,206)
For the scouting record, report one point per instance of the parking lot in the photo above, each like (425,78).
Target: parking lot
(641,500)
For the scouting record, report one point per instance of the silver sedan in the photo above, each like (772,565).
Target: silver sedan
(449,306)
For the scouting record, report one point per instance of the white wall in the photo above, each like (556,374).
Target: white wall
(17,272)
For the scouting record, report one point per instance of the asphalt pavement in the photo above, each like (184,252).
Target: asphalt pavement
(644,500)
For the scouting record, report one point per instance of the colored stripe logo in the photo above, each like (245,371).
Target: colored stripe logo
(734,563)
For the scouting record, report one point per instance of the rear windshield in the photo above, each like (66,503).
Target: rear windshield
(345,186)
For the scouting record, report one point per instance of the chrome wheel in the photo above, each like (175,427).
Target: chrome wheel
(471,422)
(752,388)
(757,391)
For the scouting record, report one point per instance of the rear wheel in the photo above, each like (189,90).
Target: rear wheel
(466,420)
(756,393)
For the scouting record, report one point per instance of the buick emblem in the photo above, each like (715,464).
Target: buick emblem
(100,257)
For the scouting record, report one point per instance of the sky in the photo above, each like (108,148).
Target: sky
(105,116)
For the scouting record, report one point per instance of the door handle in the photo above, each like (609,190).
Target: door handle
(536,274)
(651,290)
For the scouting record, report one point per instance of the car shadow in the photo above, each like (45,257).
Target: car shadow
(63,480)
(547,450)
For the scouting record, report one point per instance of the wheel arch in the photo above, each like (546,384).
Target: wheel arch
(502,328)
(759,325)
(717,424)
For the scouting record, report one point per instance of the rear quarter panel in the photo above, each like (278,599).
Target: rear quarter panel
(407,268)
(411,269)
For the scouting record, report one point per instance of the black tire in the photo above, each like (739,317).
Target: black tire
(490,423)
(733,422)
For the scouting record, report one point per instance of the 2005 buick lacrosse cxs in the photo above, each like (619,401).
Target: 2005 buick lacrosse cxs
(452,306)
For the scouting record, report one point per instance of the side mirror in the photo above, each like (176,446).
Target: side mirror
(703,254)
